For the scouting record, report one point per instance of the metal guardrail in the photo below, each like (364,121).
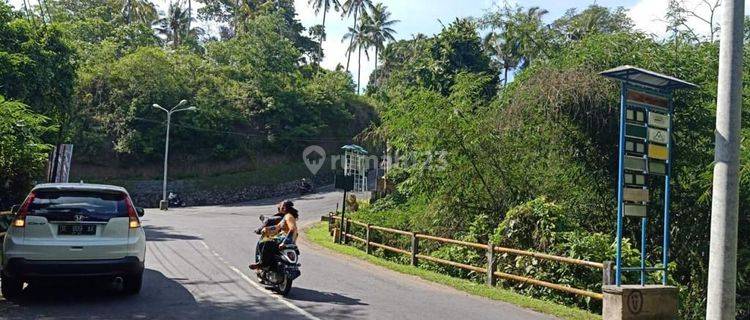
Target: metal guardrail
(491,250)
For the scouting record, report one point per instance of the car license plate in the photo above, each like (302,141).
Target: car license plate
(76,229)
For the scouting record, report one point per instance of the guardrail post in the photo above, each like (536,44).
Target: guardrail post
(490,264)
(608,273)
(336,235)
(414,248)
(330,223)
(367,239)
(347,230)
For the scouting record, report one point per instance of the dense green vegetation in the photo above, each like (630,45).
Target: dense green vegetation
(94,69)
(511,132)
(531,163)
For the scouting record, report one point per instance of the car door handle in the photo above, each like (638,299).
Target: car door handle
(76,248)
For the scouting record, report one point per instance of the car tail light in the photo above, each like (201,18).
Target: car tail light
(132,214)
(20,220)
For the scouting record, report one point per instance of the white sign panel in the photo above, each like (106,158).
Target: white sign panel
(658,136)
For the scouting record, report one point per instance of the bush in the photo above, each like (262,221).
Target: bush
(22,152)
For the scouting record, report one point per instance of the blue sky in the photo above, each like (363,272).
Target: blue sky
(424,16)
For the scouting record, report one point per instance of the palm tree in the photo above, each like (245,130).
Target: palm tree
(324,5)
(26,10)
(42,9)
(143,10)
(527,28)
(174,26)
(354,7)
(379,28)
(504,50)
(359,39)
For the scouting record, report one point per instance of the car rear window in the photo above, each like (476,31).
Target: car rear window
(67,205)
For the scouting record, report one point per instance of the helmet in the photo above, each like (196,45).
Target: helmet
(287,203)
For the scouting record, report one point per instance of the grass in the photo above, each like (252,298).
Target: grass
(318,234)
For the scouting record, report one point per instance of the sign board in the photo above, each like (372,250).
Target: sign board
(635,146)
(645,146)
(635,179)
(656,151)
(647,99)
(60,160)
(658,120)
(657,167)
(636,115)
(634,210)
(635,194)
(658,136)
(635,163)
(636,131)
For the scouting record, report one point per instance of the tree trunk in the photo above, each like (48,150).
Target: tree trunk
(359,67)
(351,40)
(506,75)
(41,10)
(126,11)
(190,14)
(376,59)
(26,9)
(320,50)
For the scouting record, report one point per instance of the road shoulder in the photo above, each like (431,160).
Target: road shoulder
(316,235)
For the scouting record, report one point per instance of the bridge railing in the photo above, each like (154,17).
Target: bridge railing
(490,250)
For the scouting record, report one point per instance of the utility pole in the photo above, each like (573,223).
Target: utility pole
(722,262)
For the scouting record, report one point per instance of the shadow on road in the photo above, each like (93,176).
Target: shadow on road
(154,233)
(275,200)
(160,298)
(302,294)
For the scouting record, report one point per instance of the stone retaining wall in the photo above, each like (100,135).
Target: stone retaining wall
(148,193)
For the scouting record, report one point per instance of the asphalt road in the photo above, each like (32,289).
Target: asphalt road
(197,269)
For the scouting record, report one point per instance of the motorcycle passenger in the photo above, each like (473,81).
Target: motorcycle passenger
(285,232)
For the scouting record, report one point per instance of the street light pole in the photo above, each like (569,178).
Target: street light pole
(722,261)
(164,204)
(166,159)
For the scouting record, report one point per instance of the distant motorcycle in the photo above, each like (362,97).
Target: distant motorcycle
(175,201)
(285,267)
(305,187)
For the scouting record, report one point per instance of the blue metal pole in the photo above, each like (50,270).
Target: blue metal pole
(667,178)
(644,222)
(620,179)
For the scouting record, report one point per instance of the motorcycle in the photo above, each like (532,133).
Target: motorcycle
(305,188)
(285,267)
(174,200)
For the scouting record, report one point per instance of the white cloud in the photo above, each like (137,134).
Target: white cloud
(649,16)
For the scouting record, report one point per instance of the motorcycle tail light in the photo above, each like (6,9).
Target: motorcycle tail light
(291,256)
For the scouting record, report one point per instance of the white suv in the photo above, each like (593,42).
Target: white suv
(72,230)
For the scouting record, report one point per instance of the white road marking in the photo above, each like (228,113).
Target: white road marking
(259,287)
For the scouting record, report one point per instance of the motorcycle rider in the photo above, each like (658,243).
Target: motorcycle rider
(305,186)
(285,232)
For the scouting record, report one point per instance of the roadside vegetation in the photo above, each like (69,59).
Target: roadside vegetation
(511,101)
(530,134)
(91,70)
(318,234)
